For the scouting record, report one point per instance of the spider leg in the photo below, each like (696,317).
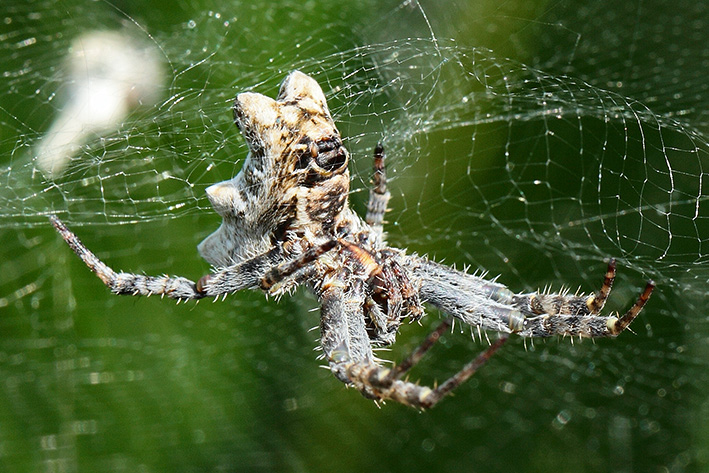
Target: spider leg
(265,271)
(224,281)
(490,305)
(244,275)
(387,384)
(596,301)
(563,304)
(126,283)
(399,370)
(583,325)
(558,314)
(288,268)
(471,299)
(459,281)
(343,335)
(472,308)
(454,381)
(378,194)
(463,375)
(346,345)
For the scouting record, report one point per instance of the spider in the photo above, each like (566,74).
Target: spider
(287,222)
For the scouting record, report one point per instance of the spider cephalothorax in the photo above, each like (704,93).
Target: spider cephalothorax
(286,221)
(295,178)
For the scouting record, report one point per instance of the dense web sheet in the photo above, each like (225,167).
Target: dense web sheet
(531,141)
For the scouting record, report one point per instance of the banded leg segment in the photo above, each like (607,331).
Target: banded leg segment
(564,304)
(584,325)
(596,302)
(491,306)
(546,315)
(387,383)
(127,283)
(245,275)
(399,370)
(379,194)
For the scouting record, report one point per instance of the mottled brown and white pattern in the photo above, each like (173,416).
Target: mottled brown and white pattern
(287,222)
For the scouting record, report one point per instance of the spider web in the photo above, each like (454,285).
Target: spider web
(531,140)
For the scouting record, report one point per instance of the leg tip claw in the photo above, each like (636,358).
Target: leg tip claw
(621,324)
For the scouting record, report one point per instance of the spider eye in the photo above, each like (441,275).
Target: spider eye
(330,154)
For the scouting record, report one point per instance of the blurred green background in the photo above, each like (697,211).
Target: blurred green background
(531,139)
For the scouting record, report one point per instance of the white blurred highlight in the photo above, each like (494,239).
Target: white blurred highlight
(109,74)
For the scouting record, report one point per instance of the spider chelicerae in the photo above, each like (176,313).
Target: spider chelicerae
(287,222)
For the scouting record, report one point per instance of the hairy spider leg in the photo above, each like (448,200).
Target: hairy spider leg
(451,383)
(596,301)
(126,283)
(491,306)
(352,363)
(464,374)
(245,275)
(343,335)
(400,369)
(383,383)
(584,325)
(287,268)
(224,281)
(562,304)
(105,273)
(379,194)
(465,283)
(347,348)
